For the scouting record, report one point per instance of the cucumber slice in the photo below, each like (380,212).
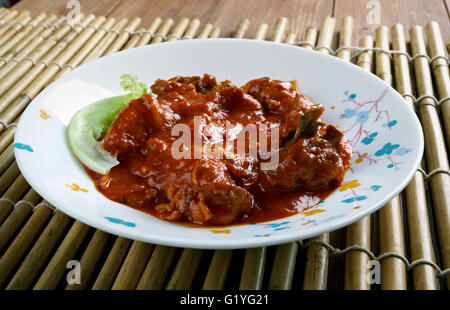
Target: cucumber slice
(88,126)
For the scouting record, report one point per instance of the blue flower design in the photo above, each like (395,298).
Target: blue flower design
(22,146)
(276,225)
(281,228)
(392,123)
(119,221)
(352,96)
(369,139)
(387,149)
(347,114)
(402,151)
(375,187)
(353,199)
(362,117)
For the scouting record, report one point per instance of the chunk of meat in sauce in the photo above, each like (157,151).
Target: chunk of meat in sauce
(313,163)
(283,98)
(210,190)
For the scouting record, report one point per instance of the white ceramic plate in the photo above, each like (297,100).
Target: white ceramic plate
(386,136)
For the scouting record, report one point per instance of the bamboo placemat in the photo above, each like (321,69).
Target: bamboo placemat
(409,237)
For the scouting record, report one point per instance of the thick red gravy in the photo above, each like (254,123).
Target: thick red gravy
(233,188)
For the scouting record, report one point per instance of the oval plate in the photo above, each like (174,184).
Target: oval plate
(385,133)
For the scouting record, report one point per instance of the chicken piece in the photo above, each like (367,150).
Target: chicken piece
(185,84)
(283,98)
(137,122)
(213,197)
(314,163)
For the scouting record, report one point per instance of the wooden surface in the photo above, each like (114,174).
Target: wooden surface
(226,14)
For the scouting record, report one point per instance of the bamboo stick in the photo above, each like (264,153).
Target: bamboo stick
(147,37)
(345,38)
(261,32)
(206,30)
(37,256)
(359,233)
(280,29)
(163,30)
(13,194)
(178,30)
(316,268)
(133,266)
(135,38)
(253,270)
(435,151)
(391,234)
(182,276)
(112,264)
(310,38)
(155,272)
(215,33)
(6,137)
(123,37)
(90,258)
(5,180)
(326,35)
(291,38)
(55,269)
(192,29)
(283,267)
(36,47)
(440,73)
(6,158)
(107,40)
(144,39)
(218,270)
(416,203)
(241,29)
(15,219)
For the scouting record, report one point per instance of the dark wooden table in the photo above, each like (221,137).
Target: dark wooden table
(226,14)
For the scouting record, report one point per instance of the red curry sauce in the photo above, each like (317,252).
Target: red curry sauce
(222,185)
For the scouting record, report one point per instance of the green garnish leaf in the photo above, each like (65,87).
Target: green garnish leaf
(88,126)
(131,83)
